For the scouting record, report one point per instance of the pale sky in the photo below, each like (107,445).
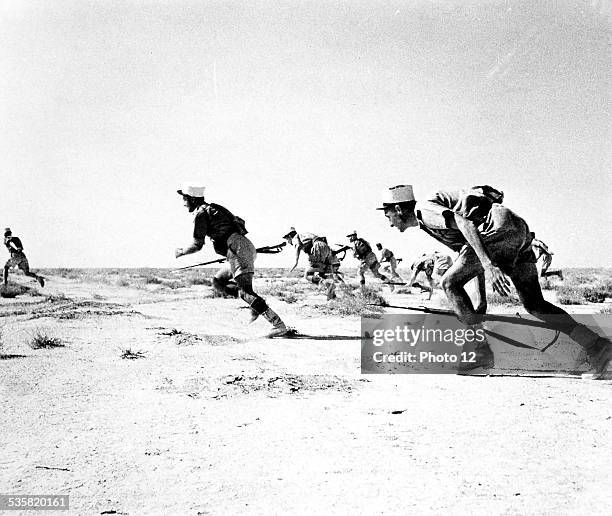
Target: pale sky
(297,114)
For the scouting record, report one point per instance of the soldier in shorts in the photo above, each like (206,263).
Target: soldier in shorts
(434,266)
(227,233)
(493,240)
(18,258)
(363,252)
(387,257)
(540,250)
(320,257)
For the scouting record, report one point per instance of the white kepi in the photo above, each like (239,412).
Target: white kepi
(396,194)
(193,191)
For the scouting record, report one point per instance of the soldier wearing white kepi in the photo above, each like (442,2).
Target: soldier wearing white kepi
(227,233)
(490,239)
(18,258)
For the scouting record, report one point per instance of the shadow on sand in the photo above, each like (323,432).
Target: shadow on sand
(10,356)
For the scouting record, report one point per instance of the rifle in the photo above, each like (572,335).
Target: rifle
(342,249)
(271,249)
(267,249)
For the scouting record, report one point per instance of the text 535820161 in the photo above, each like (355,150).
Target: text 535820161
(25,502)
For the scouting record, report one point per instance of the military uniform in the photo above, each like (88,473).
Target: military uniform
(505,235)
(228,234)
(17,258)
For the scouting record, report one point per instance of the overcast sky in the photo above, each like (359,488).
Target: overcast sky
(297,113)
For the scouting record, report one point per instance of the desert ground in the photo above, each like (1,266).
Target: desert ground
(138,392)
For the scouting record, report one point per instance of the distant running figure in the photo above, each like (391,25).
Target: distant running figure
(18,258)
(320,257)
(388,258)
(363,252)
(541,251)
(434,266)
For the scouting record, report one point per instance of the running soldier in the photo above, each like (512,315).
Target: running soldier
(490,239)
(540,250)
(434,266)
(227,233)
(320,257)
(319,253)
(387,257)
(18,258)
(363,252)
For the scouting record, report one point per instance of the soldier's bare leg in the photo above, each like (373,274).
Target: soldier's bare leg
(466,267)
(599,349)
(362,268)
(480,304)
(525,280)
(25,267)
(258,305)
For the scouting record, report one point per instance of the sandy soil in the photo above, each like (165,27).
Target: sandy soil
(216,419)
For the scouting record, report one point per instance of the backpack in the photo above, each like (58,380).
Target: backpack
(493,194)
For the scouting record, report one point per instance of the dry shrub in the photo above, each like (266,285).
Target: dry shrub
(365,300)
(493,298)
(13,290)
(129,354)
(289,297)
(122,282)
(580,295)
(199,280)
(41,340)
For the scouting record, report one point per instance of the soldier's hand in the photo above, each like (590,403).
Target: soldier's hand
(498,279)
(178,252)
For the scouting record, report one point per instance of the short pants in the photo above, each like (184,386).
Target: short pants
(369,262)
(506,237)
(18,260)
(241,255)
(320,254)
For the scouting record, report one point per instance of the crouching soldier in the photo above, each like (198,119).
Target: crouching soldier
(363,252)
(227,233)
(490,239)
(434,266)
(387,257)
(320,257)
(18,258)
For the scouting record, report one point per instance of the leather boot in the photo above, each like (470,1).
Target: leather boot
(482,358)
(278,326)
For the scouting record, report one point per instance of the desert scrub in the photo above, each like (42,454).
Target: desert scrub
(493,298)
(199,280)
(288,297)
(13,290)
(129,354)
(580,295)
(41,340)
(122,282)
(364,301)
